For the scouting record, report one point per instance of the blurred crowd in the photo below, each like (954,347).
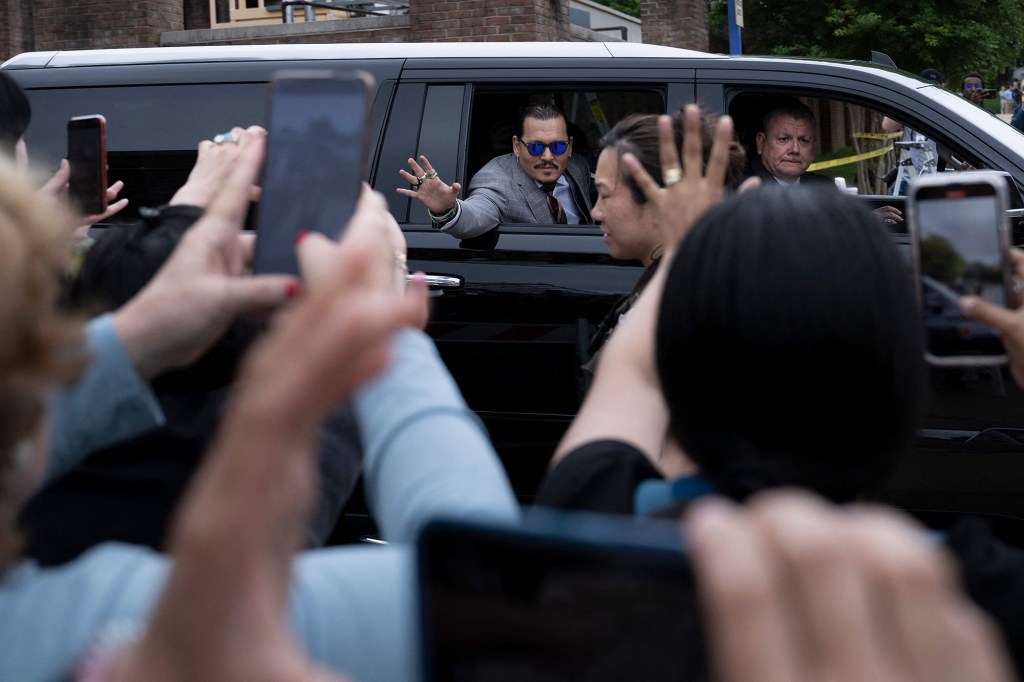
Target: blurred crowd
(178,435)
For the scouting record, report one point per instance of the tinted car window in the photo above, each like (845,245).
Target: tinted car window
(152,117)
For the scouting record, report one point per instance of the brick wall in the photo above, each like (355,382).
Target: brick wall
(59,24)
(15,27)
(62,25)
(196,14)
(359,30)
(489,20)
(675,23)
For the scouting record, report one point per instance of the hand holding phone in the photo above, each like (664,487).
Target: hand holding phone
(87,156)
(559,597)
(316,151)
(960,234)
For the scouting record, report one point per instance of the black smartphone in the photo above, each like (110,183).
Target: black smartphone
(560,597)
(87,156)
(316,152)
(960,233)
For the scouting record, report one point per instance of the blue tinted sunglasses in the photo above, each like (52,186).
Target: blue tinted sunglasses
(537,148)
(967,86)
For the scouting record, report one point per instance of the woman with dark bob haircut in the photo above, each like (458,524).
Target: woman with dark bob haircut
(788,345)
(778,344)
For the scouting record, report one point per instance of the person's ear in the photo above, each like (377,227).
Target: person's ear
(515,145)
(569,150)
(759,141)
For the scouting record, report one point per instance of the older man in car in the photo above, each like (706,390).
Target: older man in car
(785,148)
(540,182)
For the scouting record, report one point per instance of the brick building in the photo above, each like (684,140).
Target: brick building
(27,25)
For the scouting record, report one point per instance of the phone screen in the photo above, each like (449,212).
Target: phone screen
(538,605)
(88,160)
(314,163)
(961,241)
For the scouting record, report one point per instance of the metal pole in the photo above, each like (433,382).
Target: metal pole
(287,13)
(735,28)
(309,13)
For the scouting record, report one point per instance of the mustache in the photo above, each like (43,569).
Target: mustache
(546,165)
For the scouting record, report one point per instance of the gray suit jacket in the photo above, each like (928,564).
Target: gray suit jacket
(502,192)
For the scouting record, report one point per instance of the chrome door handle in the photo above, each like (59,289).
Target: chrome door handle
(441,281)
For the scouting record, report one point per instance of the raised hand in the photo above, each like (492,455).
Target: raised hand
(205,283)
(689,189)
(428,188)
(1009,322)
(223,615)
(794,589)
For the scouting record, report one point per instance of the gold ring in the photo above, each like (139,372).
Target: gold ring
(671,176)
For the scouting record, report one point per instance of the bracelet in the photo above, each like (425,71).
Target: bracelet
(442,218)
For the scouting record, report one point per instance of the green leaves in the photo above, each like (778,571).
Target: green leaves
(954,36)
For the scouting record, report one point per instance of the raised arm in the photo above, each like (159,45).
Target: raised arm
(222,614)
(624,402)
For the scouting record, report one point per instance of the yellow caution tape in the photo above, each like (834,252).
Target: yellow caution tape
(832,163)
(878,136)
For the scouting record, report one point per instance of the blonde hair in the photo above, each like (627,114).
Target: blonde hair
(39,346)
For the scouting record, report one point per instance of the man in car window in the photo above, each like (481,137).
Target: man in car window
(785,148)
(540,182)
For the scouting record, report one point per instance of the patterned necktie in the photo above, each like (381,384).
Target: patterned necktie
(554,205)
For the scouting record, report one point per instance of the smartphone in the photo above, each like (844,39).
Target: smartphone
(87,156)
(316,152)
(575,596)
(959,229)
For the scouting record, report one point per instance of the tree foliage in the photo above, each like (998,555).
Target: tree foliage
(954,36)
(630,7)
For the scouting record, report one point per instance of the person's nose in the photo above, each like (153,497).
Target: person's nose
(547,155)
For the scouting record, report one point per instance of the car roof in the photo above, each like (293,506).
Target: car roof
(222,53)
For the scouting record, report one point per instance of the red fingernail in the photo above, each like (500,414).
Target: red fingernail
(301,235)
(293,289)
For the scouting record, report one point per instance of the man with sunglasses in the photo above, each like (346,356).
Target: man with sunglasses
(540,182)
(972,87)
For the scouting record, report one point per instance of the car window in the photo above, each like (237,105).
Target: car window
(169,117)
(589,113)
(851,143)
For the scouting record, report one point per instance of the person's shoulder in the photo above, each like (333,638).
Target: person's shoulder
(500,169)
(503,163)
(597,476)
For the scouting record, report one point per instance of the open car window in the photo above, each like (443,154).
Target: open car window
(589,113)
(851,143)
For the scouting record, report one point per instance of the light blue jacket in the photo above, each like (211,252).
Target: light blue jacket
(354,608)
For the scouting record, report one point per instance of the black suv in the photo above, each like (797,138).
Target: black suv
(523,299)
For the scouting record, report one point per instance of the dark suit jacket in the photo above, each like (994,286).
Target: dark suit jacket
(815,179)
(502,192)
